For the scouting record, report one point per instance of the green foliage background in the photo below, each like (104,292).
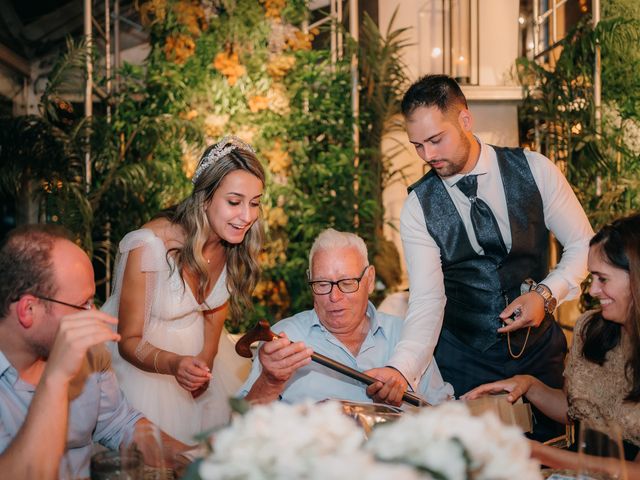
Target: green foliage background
(165,112)
(602,163)
(601,160)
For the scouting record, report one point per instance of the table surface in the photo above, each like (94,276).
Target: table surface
(558,474)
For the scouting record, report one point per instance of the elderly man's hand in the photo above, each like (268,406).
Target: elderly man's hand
(390,387)
(77,333)
(280,358)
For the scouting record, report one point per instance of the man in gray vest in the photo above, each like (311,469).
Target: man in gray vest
(475,231)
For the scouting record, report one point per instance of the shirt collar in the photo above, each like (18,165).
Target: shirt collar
(481,167)
(374,325)
(7,369)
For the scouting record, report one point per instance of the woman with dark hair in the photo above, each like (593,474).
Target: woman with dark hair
(174,279)
(602,375)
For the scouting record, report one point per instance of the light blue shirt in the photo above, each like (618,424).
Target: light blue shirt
(317,382)
(100,413)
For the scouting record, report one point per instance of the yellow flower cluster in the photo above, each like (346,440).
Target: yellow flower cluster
(581,81)
(214,125)
(273,293)
(246,133)
(258,103)
(191,15)
(279,160)
(50,186)
(179,48)
(279,65)
(276,217)
(189,163)
(152,11)
(273,253)
(278,99)
(273,8)
(64,105)
(190,115)
(298,40)
(229,65)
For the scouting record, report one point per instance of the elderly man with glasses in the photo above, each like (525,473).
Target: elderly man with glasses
(58,394)
(344,326)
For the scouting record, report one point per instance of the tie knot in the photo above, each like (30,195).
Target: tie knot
(469,186)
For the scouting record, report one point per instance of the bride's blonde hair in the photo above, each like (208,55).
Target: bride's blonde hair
(243,269)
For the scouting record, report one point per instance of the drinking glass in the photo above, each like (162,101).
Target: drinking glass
(600,452)
(148,440)
(123,464)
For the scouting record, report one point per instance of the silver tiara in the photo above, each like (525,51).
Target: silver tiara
(223,147)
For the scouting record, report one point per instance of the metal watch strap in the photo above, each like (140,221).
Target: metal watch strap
(545,292)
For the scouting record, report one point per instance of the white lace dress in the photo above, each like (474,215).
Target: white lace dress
(174,322)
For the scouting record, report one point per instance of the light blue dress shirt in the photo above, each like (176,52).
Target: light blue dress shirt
(317,382)
(100,413)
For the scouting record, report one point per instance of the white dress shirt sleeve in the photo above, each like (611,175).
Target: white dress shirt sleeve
(426,295)
(565,218)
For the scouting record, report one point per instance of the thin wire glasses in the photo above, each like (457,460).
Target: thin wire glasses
(346,285)
(86,306)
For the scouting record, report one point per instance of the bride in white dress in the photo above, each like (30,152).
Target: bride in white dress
(174,281)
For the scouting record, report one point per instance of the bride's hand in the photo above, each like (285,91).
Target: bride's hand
(191,373)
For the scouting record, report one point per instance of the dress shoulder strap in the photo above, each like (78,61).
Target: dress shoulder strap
(154,254)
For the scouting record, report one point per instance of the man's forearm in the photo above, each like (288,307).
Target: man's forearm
(265,390)
(423,320)
(563,459)
(550,401)
(40,444)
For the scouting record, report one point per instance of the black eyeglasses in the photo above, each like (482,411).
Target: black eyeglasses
(86,306)
(346,285)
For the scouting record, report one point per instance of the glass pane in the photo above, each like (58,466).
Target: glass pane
(431,49)
(544,39)
(461,40)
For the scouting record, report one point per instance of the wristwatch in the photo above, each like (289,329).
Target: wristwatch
(550,301)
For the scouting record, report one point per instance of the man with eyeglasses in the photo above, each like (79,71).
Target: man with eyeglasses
(58,394)
(343,325)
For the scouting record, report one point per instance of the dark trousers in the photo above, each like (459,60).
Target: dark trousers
(465,368)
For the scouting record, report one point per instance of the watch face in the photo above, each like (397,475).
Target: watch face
(550,305)
(527,286)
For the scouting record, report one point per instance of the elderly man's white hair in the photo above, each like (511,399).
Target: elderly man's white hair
(331,239)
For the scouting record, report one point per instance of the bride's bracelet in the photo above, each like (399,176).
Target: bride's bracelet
(155,360)
(144,350)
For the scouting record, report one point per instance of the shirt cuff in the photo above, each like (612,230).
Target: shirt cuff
(406,366)
(560,289)
(411,389)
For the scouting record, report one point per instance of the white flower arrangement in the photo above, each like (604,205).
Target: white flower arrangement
(451,444)
(317,441)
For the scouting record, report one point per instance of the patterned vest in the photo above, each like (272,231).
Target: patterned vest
(478,289)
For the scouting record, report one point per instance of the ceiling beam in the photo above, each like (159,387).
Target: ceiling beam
(14,61)
(56,24)
(11,20)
